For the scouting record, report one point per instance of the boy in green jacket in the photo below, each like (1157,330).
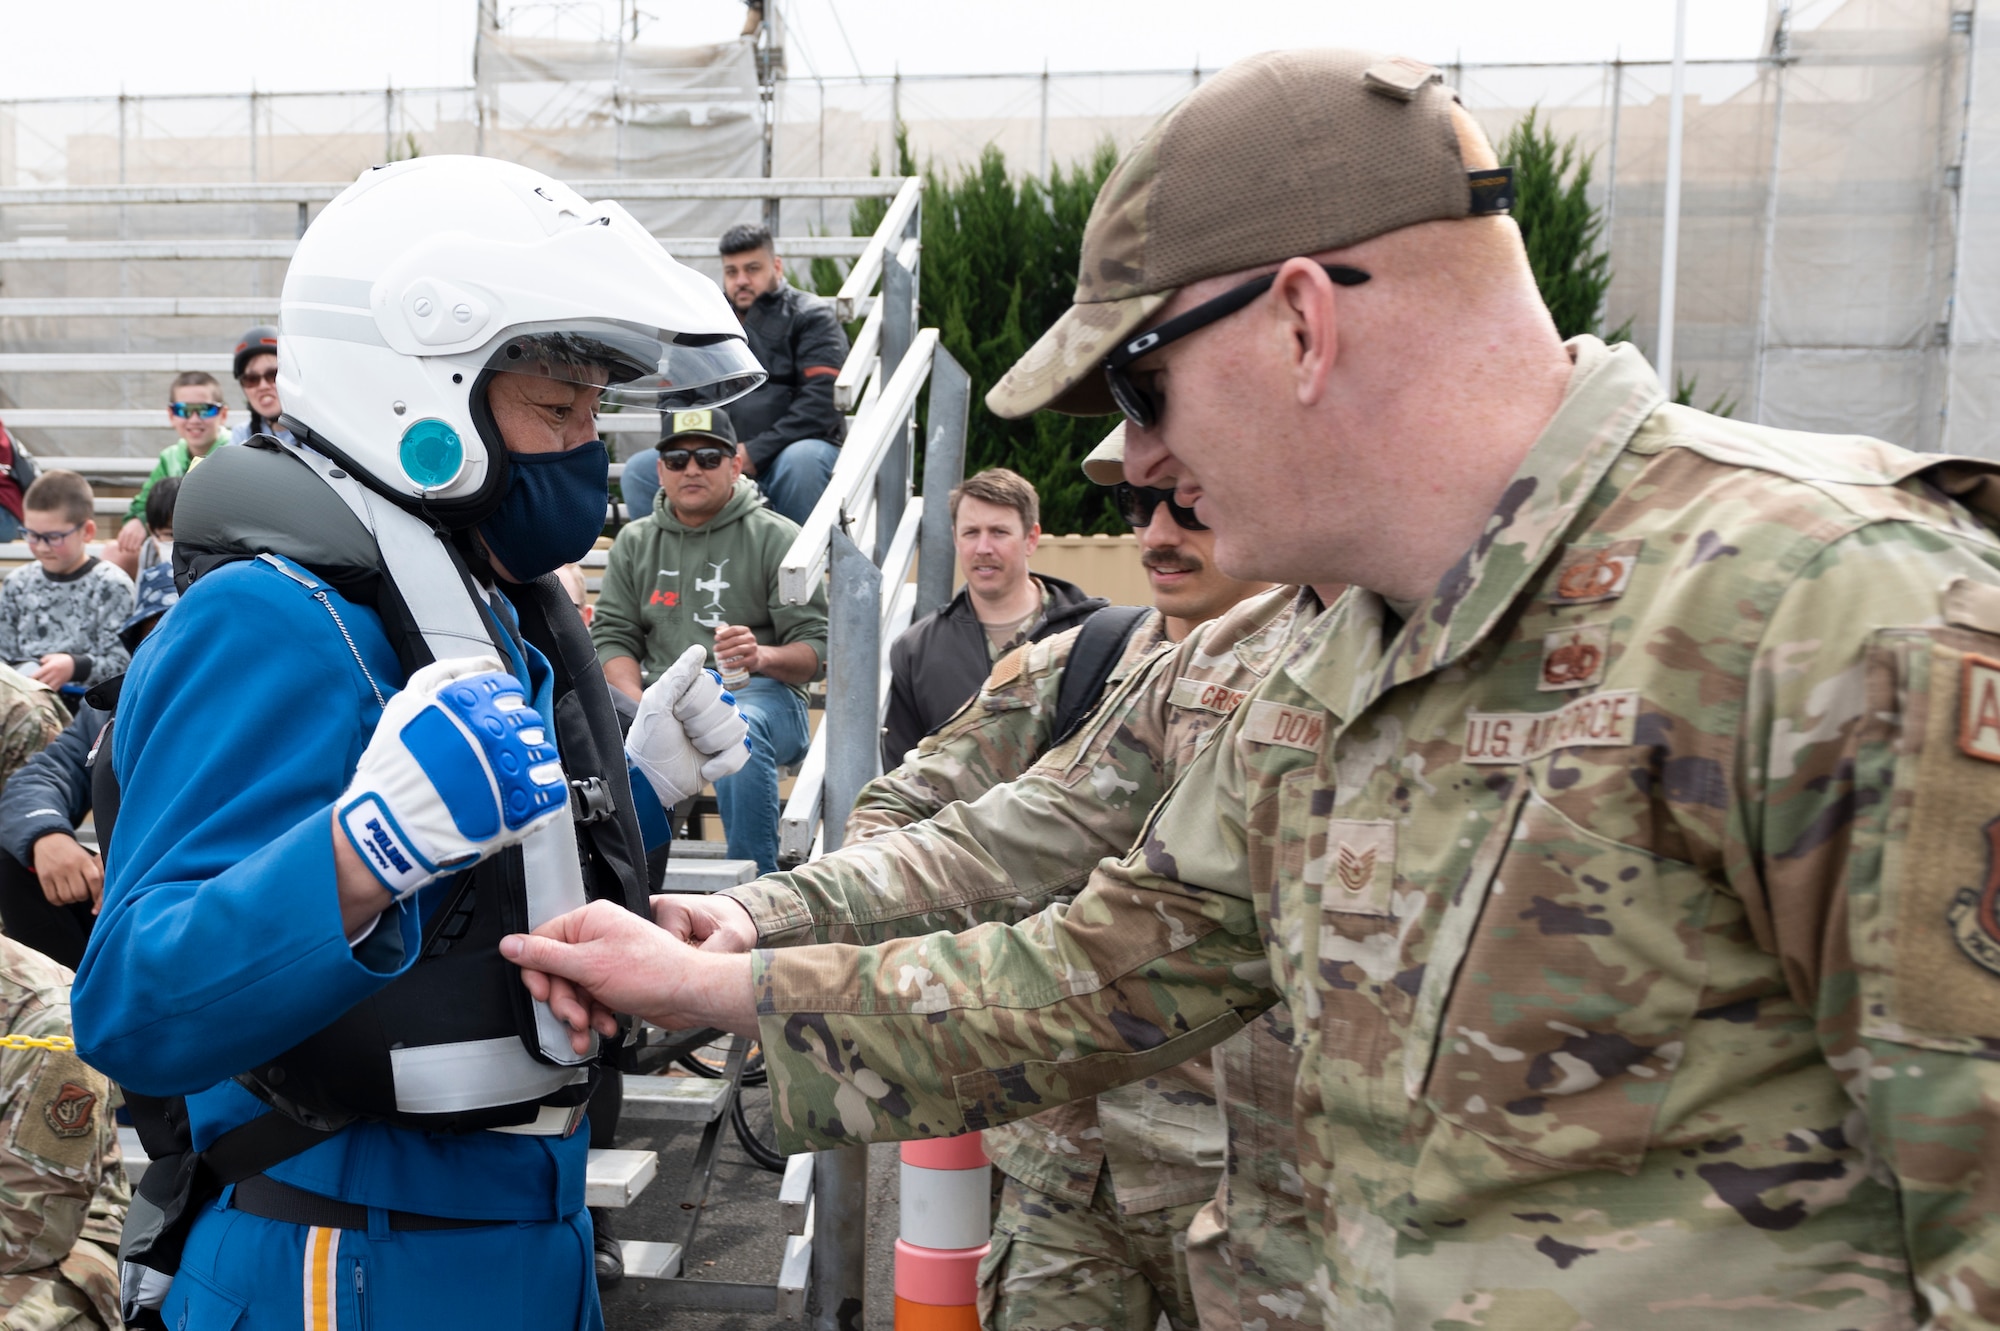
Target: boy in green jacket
(703,568)
(201,421)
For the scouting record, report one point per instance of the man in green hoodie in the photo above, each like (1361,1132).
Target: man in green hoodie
(703,568)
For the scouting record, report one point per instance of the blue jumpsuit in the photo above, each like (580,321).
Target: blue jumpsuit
(220,946)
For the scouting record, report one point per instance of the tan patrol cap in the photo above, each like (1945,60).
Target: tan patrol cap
(1106,463)
(1283,154)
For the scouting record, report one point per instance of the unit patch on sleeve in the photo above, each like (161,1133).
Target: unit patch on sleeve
(1940,980)
(1574,658)
(1601,574)
(1204,696)
(58,1124)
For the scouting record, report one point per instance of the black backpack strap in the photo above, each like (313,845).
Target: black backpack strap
(1099,644)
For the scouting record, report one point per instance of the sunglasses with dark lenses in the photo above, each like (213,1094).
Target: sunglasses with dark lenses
(1141,405)
(189,410)
(252,380)
(1136,504)
(676,459)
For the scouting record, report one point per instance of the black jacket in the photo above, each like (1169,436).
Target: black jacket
(939,662)
(51,792)
(794,334)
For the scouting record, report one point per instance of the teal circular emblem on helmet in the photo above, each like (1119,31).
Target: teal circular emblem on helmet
(431,453)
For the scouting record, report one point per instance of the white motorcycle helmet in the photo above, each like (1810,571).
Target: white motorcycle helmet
(425,277)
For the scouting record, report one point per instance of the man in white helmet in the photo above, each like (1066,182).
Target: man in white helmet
(310,869)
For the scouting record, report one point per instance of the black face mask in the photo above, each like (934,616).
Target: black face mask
(551,511)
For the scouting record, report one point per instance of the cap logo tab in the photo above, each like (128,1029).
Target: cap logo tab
(687,421)
(1492,191)
(1401,78)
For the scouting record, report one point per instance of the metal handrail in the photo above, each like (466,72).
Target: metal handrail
(867,270)
(853,475)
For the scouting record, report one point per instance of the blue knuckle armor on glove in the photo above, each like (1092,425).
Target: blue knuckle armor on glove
(459,767)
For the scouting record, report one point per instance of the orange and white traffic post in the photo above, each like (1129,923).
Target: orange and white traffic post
(947,1227)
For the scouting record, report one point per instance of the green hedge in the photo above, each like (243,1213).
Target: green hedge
(999,267)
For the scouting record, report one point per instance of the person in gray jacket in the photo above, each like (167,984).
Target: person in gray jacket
(789,426)
(702,567)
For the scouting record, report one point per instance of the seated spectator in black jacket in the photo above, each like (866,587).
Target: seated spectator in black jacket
(940,661)
(50,885)
(789,427)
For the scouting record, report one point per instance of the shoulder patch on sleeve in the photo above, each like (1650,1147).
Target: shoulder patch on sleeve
(57,1124)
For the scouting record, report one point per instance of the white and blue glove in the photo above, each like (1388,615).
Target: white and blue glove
(459,768)
(688,730)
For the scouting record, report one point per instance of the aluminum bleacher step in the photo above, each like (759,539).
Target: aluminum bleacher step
(675,1099)
(702,875)
(614,1178)
(650,1261)
(611,1179)
(699,850)
(795,1194)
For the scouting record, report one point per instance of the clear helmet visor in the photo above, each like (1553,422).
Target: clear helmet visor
(633,366)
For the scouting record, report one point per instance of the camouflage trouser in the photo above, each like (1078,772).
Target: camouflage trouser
(1057,1266)
(1249,1279)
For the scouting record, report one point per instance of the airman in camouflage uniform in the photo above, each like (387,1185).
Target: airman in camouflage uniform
(62,1181)
(1635,888)
(31,715)
(1119,1179)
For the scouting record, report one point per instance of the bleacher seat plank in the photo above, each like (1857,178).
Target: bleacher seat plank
(702,875)
(614,1178)
(675,1099)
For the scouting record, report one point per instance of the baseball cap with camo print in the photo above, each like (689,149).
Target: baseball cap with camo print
(1282,154)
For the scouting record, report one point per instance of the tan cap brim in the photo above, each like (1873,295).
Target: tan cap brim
(1106,462)
(1062,372)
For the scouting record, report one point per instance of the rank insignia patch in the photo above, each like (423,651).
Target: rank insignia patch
(1979,709)
(1574,658)
(1358,874)
(68,1114)
(1596,575)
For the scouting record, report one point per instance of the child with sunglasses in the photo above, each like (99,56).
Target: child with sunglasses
(200,419)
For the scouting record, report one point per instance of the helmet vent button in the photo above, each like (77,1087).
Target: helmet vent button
(462,313)
(422,307)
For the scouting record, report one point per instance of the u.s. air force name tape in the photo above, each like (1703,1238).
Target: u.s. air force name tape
(1596,720)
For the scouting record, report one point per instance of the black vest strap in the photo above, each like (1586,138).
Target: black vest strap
(1094,656)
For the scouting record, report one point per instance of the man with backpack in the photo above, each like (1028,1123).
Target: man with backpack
(1110,1212)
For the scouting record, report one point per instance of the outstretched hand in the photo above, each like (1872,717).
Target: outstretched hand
(601,960)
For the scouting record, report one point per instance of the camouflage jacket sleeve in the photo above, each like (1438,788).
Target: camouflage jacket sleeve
(53,1145)
(987,849)
(31,715)
(1158,958)
(1866,849)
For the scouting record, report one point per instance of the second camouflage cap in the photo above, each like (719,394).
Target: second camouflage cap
(1105,464)
(1283,154)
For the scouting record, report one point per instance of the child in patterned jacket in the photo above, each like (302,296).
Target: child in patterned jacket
(59,616)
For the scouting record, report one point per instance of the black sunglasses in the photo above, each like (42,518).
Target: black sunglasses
(676,459)
(1137,503)
(1142,406)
